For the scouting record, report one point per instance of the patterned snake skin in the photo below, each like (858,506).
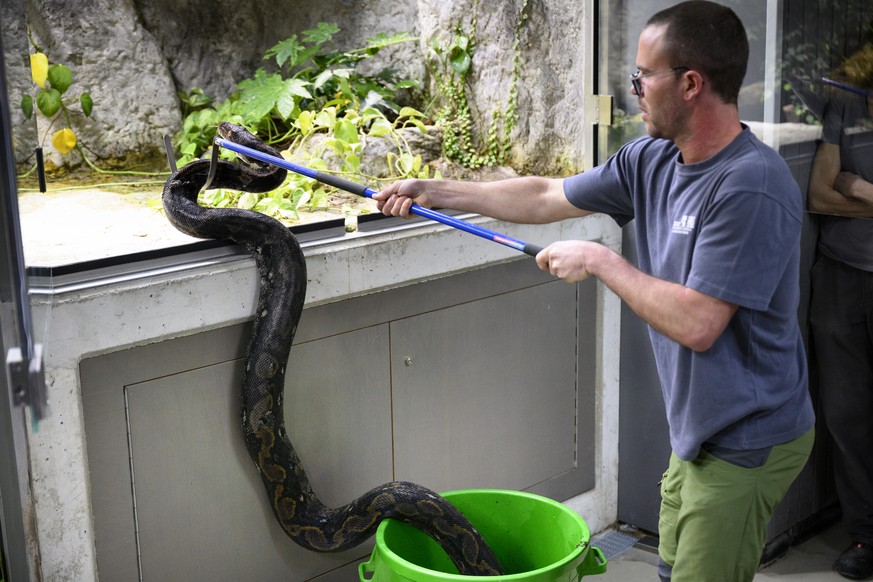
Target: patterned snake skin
(282,271)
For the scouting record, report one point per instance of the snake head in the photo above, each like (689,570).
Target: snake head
(242,136)
(230,131)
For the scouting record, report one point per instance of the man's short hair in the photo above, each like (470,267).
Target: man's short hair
(708,38)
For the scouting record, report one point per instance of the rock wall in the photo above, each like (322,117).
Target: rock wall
(119,63)
(17,68)
(133,56)
(550,85)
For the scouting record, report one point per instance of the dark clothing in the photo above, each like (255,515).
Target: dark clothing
(841,320)
(847,123)
(841,315)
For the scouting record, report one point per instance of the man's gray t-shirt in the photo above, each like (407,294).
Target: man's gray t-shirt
(728,227)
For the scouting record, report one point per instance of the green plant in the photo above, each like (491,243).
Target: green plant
(312,93)
(306,77)
(450,65)
(345,134)
(53,81)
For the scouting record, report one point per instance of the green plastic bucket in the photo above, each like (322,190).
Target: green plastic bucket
(535,539)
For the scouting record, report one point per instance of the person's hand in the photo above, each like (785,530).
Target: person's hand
(570,260)
(397,198)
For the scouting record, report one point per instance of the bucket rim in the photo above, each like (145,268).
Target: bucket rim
(411,569)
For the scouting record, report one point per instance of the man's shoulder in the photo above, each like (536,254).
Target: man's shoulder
(758,169)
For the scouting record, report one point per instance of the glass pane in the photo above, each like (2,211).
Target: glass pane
(104,196)
(797,48)
(625,20)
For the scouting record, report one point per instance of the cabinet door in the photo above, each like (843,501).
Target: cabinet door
(193,497)
(485,393)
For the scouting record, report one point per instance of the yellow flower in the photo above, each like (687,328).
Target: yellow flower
(39,68)
(64,141)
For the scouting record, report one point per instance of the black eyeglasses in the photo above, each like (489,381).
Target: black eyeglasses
(636,78)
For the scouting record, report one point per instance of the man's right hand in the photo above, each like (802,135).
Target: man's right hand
(397,198)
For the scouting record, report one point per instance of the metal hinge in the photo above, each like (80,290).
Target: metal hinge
(26,378)
(600,110)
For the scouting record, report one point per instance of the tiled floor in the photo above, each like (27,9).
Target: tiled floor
(809,561)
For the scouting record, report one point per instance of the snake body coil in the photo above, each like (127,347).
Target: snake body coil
(282,270)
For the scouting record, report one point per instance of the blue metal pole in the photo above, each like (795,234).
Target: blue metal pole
(361,190)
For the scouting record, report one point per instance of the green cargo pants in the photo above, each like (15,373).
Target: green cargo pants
(714,514)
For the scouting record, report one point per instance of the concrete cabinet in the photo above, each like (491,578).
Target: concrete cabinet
(482,379)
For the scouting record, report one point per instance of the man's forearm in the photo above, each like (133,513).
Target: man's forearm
(530,200)
(685,315)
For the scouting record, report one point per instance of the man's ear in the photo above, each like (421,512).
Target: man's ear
(693,82)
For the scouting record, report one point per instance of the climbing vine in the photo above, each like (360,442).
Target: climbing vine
(450,65)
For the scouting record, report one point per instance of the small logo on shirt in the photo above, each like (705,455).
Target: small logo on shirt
(684,225)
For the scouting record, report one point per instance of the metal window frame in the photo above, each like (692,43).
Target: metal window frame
(22,383)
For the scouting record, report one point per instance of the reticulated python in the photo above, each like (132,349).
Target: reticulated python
(282,270)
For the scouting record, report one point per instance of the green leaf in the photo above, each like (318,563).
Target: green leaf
(299,197)
(460,60)
(339,146)
(326,117)
(319,199)
(259,94)
(86,103)
(60,77)
(247,201)
(286,106)
(298,87)
(421,127)
(286,51)
(346,131)
(317,164)
(345,89)
(27,106)
(304,122)
(193,100)
(48,101)
(353,163)
(369,114)
(267,205)
(322,33)
(322,78)
(410,112)
(405,163)
(380,127)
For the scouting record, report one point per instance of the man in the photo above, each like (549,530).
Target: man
(841,313)
(718,220)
